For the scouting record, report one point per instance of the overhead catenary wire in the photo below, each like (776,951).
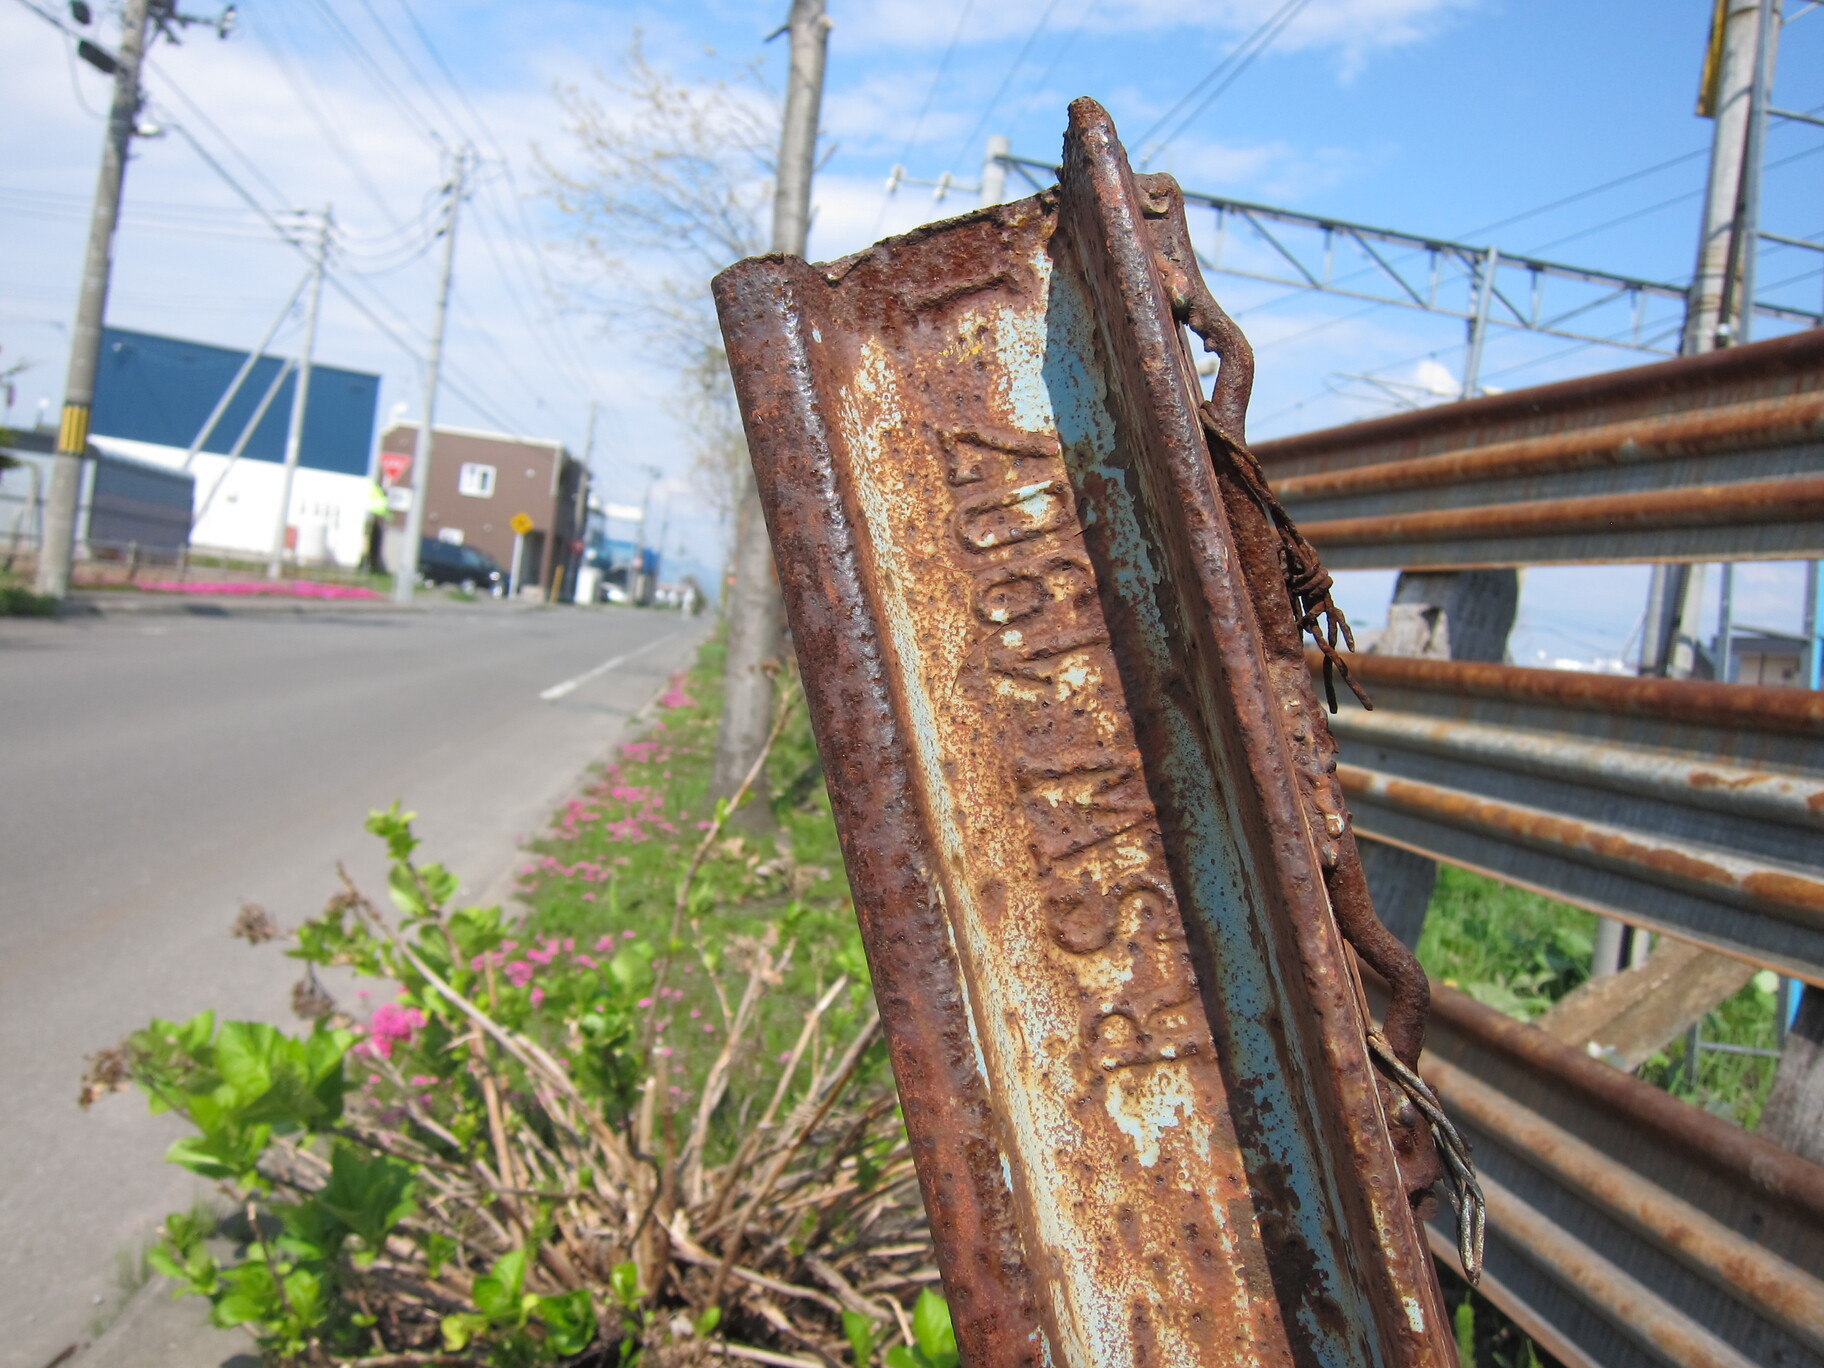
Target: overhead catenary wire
(1225,73)
(1019,60)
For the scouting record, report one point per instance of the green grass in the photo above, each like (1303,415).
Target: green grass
(610,867)
(1519,953)
(18,601)
(1512,950)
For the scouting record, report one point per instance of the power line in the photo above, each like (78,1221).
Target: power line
(1006,80)
(937,79)
(332,135)
(1227,71)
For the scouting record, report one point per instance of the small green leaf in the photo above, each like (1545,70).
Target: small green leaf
(932,1329)
(705,1324)
(624,1282)
(860,1332)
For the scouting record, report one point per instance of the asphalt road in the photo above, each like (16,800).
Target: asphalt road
(157,772)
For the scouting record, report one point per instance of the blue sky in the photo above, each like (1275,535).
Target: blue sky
(1435,116)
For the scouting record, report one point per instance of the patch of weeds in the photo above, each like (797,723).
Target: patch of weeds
(18,601)
(1510,949)
(1729,1084)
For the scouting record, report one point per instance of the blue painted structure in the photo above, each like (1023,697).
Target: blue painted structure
(161,389)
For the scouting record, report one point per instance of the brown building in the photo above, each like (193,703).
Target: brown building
(480,480)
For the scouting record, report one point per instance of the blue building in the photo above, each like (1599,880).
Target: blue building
(162,389)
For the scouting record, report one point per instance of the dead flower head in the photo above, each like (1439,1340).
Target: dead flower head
(310,1001)
(109,1071)
(254,925)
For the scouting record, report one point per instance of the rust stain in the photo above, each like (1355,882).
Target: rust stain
(1727,707)
(1779,892)
(1096,1123)
(1763,422)
(1716,505)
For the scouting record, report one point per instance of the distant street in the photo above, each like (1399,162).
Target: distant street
(156,772)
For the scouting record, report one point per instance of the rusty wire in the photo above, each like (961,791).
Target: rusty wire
(1307,581)
(1464,1191)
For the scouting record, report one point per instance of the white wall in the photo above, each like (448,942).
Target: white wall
(241,514)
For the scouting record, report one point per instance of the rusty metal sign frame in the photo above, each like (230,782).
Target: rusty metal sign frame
(1085,791)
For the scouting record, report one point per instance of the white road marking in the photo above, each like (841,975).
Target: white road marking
(557,691)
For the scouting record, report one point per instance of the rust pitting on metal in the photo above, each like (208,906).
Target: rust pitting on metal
(1138,1146)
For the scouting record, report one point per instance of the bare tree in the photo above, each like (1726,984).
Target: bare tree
(677,177)
(672,182)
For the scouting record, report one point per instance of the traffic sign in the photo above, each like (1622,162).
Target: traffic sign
(521,523)
(394,465)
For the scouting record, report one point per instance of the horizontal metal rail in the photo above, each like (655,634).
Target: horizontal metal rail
(1627,1228)
(1696,809)
(1717,457)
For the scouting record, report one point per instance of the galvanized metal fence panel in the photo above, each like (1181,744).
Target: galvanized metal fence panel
(1692,808)
(1124,1024)
(1628,1228)
(1713,457)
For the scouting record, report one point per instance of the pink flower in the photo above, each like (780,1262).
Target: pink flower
(663,1052)
(675,697)
(605,943)
(519,973)
(708,1029)
(569,943)
(644,1002)
(588,897)
(627,935)
(422,1080)
(391,1025)
(538,996)
(587,961)
(694,1014)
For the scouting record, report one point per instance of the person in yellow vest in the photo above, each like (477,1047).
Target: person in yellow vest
(373,559)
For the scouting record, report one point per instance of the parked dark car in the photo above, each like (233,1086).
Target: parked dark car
(441,562)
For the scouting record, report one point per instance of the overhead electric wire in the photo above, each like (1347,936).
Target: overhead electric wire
(1006,80)
(520,244)
(1227,71)
(924,110)
(333,135)
(456,381)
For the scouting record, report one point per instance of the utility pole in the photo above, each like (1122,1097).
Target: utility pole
(994,170)
(756,615)
(1745,240)
(56,546)
(1727,99)
(294,435)
(406,579)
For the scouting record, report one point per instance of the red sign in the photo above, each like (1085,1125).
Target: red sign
(394,465)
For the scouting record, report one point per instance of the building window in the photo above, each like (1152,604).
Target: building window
(477,481)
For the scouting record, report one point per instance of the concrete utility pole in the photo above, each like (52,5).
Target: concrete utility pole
(994,170)
(56,546)
(1727,100)
(294,435)
(405,579)
(756,616)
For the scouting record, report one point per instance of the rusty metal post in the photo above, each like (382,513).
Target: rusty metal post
(1077,782)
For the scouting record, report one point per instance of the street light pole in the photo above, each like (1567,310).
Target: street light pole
(406,579)
(56,546)
(294,435)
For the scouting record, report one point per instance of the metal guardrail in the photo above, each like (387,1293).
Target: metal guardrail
(1072,793)
(1711,457)
(1691,808)
(1627,1228)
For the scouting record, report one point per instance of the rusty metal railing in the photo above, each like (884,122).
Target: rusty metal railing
(1688,807)
(1083,782)
(1718,456)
